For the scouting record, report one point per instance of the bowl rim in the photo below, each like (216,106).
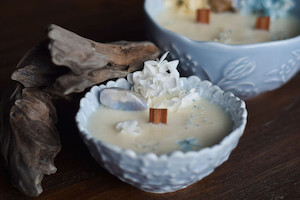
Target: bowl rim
(213,43)
(238,131)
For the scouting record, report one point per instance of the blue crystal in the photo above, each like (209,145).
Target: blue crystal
(122,99)
(273,8)
(188,144)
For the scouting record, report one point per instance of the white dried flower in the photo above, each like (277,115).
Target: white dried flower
(187,6)
(158,83)
(129,127)
(157,78)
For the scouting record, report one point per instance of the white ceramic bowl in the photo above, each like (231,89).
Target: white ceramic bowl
(168,172)
(245,70)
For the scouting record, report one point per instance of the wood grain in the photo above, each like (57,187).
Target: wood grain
(265,164)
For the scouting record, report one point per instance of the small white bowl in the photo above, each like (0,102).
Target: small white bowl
(167,172)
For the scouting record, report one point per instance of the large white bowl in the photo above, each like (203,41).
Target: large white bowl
(245,70)
(170,172)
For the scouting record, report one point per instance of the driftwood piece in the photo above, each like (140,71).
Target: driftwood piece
(6,103)
(29,140)
(91,62)
(35,140)
(36,69)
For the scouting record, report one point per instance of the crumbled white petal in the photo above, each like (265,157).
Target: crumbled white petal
(129,127)
(129,78)
(187,99)
(182,100)
(159,104)
(163,57)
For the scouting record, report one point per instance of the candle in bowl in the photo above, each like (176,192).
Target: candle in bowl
(198,125)
(193,122)
(230,27)
(204,125)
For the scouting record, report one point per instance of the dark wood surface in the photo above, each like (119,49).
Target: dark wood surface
(265,164)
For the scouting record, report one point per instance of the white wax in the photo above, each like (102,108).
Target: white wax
(204,122)
(234,28)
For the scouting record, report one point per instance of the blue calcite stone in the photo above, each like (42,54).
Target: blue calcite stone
(188,144)
(122,99)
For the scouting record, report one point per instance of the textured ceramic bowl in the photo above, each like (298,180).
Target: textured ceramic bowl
(171,172)
(245,70)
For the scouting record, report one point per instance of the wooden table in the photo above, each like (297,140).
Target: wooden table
(265,164)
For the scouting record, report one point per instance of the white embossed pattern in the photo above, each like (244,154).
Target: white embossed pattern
(282,73)
(164,173)
(234,76)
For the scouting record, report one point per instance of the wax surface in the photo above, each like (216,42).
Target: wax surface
(202,124)
(228,28)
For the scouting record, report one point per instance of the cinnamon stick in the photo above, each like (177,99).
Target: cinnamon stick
(157,116)
(202,16)
(262,23)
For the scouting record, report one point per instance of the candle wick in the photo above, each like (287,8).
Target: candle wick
(202,16)
(158,116)
(262,23)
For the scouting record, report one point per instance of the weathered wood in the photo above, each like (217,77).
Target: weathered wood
(35,69)
(91,62)
(29,139)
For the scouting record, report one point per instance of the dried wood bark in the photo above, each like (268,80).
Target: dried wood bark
(29,140)
(36,70)
(34,140)
(92,62)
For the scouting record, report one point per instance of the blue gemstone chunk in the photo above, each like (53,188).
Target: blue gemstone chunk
(122,99)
